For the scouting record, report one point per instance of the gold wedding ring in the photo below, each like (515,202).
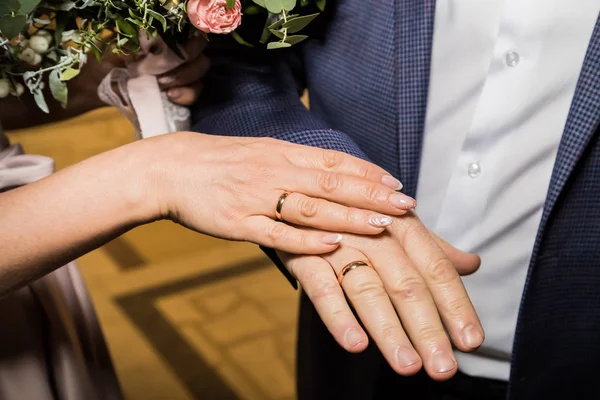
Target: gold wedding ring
(350,267)
(280,205)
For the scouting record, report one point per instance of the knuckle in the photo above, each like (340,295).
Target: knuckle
(374,193)
(309,207)
(368,289)
(409,290)
(275,233)
(431,335)
(324,291)
(390,333)
(328,181)
(331,158)
(364,170)
(440,271)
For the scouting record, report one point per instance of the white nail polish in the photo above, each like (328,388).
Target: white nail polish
(334,238)
(380,221)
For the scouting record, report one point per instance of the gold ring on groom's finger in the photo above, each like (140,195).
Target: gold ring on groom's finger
(280,205)
(349,267)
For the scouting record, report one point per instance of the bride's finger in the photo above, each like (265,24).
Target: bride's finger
(277,235)
(347,190)
(299,209)
(336,161)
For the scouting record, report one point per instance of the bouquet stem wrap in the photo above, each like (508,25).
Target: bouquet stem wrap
(140,99)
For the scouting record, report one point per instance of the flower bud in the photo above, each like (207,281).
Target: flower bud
(4,88)
(39,44)
(45,34)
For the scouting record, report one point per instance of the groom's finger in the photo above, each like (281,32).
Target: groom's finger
(320,284)
(190,73)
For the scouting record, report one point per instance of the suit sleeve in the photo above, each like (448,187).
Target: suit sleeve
(257,94)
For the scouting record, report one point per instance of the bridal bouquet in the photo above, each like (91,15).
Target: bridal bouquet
(46,42)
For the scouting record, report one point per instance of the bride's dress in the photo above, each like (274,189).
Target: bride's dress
(51,345)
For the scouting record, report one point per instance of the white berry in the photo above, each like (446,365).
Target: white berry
(18,90)
(4,88)
(45,34)
(30,56)
(39,44)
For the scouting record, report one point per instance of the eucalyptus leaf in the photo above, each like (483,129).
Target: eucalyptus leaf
(260,3)
(9,7)
(69,74)
(321,4)
(277,24)
(11,26)
(252,10)
(38,96)
(230,3)
(278,33)
(278,6)
(27,6)
(295,39)
(297,24)
(278,45)
(58,88)
(159,17)
(126,28)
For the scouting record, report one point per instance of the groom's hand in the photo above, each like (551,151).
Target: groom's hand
(412,292)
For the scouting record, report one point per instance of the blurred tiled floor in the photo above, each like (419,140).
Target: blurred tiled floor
(186,316)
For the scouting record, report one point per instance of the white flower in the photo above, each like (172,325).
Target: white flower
(4,88)
(39,44)
(31,57)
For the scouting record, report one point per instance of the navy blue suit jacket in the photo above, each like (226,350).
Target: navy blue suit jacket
(368,81)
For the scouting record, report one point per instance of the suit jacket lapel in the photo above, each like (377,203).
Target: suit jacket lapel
(413,58)
(582,122)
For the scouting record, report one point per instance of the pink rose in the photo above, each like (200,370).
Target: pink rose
(213,16)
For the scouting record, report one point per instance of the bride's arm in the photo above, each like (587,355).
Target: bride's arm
(221,186)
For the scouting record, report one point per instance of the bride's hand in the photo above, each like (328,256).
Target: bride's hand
(230,187)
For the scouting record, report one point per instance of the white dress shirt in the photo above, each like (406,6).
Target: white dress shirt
(502,80)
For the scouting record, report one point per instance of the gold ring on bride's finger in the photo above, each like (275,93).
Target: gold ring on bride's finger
(280,205)
(349,267)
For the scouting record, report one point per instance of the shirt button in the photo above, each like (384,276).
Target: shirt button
(512,58)
(474,170)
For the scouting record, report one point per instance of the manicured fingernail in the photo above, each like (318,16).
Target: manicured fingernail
(406,357)
(332,239)
(472,337)
(174,93)
(353,337)
(392,182)
(442,362)
(165,80)
(380,221)
(401,200)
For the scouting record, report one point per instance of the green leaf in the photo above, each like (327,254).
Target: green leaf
(9,7)
(277,24)
(38,96)
(260,3)
(321,4)
(295,39)
(278,6)
(27,6)
(58,88)
(297,24)
(278,45)
(122,42)
(11,26)
(230,3)
(69,74)
(278,33)
(240,39)
(126,28)
(160,19)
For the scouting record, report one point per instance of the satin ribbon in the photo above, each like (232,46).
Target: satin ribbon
(18,169)
(140,99)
